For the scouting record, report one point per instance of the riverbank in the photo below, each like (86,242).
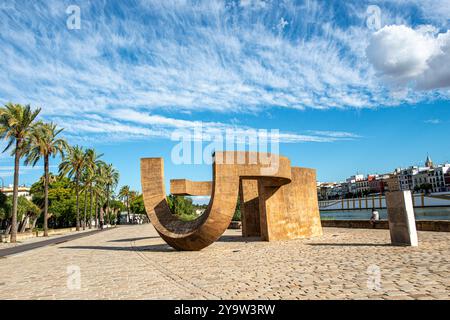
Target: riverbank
(432,213)
(421,225)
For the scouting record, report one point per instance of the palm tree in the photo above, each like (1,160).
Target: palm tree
(72,164)
(111,178)
(133,195)
(90,169)
(98,191)
(124,194)
(43,143)
(16,122)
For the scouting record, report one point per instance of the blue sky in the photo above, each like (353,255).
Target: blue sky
(353,86)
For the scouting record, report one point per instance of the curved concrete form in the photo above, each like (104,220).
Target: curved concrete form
(232,171)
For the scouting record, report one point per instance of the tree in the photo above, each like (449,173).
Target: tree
(27,210)
(426,187)
(16,123)
(98,191)
(124,194)
(182,207)
(61,198)
(116,208)
(44,143)
(91,163)
(137,205)
(110,179)
(72,165)
(5,211)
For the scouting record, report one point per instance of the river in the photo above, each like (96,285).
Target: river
(430,213)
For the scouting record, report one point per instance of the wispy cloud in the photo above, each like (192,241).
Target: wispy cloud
(131,67)
(8,171)
(433,121)
(134,125)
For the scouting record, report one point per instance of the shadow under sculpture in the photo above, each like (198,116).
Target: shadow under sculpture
(279,202)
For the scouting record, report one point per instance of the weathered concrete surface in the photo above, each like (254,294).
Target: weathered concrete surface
(183,187)
(250,215)
(133,262)
(287,200)
(291,211)
(402,223)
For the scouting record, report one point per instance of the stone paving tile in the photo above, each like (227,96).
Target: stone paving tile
(132,262)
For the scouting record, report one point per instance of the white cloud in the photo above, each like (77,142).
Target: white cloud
(116,77)
(433,121)
(438,73)
(403,55)
(142,125)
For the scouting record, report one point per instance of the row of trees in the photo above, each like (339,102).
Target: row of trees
(85,182)
(81,169)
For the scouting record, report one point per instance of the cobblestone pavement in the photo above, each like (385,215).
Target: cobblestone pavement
(132,262)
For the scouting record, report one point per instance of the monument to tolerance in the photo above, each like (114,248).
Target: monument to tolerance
(276,204)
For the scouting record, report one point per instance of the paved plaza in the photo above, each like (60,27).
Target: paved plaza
(133,262)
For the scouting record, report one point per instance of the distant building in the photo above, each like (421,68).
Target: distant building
(430,178)
(436,178)
(352,183)
(362,186)
(23,191)
(447,181)
(392,183)
(405,177)
(377,184)
(415,178)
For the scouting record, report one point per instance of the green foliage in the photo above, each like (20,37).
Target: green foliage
(61,199)
(89,180)
(24,208)
(182,207)
(116,204)
(16,122)
(426,187)
(5,208)
(43,142)
(137,205)
(27,208)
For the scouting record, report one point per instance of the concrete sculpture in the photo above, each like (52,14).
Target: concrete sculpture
(276,204)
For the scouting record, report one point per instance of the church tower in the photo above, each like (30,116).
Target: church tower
(428,162)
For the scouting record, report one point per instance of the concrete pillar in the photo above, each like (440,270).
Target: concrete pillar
(402,223)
